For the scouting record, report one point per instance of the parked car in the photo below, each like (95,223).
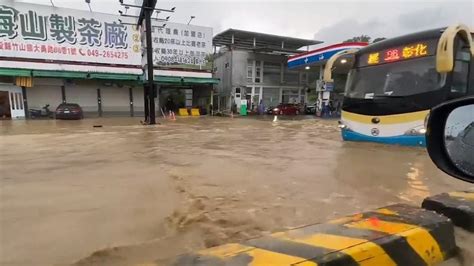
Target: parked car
(310,109)
(286,109)
(69,111)
(269,110)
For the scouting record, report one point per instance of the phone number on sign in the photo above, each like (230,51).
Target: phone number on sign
(106,54)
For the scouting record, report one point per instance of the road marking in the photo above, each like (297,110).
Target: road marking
(362,251)
(464,195)
(419,239)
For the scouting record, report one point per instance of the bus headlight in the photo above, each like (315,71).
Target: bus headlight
(419,130)
(427,117)
(342,125)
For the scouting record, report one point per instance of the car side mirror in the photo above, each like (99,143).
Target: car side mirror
(450,138)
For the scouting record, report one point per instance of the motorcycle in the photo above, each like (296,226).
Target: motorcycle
(41,113)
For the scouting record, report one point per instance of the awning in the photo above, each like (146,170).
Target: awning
(59,74)
(184,80)
(201,80)
(114,76)
(14,72)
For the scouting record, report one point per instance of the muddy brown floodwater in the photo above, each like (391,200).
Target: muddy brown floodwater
(128,193)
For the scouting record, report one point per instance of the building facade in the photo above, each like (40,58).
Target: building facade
(51,55)
(315,60)
(253,67)
(182,64)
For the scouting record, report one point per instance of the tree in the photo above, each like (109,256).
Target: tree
(361,38)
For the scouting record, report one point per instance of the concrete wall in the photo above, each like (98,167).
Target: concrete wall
(44,91)
(138,101)
(222,73)
(239,68)
(84,93)
(115,99)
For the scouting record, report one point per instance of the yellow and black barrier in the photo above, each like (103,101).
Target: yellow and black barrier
(395,235)
(458,206)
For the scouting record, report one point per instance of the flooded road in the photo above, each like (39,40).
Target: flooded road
(140,193)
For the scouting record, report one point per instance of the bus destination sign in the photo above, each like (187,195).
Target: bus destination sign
(410,51)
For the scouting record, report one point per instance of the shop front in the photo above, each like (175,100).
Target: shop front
(183,67)
(185,89)
(51,55)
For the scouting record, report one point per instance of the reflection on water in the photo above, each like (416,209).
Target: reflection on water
(416,190)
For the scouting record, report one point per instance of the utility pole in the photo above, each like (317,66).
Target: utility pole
(149,58)
(146,11)
(150,89)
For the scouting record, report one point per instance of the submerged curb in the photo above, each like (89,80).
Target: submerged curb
(458,206)
(394,235)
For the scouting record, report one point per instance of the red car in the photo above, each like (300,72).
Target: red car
(286,109)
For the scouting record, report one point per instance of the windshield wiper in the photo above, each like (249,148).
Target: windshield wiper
(387,96)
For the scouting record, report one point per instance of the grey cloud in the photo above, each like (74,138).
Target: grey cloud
(349,28)
(405,20)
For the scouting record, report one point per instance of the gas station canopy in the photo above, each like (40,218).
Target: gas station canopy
(320,56)
(261,42)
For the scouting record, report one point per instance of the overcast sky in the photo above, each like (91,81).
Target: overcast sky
(328,21)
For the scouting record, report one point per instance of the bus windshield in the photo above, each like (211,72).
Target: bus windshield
(397,79)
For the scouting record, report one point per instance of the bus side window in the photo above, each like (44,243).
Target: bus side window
(461,72)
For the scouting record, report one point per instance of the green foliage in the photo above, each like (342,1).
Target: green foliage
(361,38)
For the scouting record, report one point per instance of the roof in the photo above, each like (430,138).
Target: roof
(260,41)
(321,55)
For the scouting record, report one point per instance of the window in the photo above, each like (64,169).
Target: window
(20,101)
(271,72)
(168,31)
(256,95)
(12,100)
(193,34)
(248,91)
(193,43)
(291,77)
(271,97)
(186,33)
(258,71)
(303,78)
(175,31)
(401,78)
(461,72)
(250,71)
(199,34)
(291,96)
(16,100)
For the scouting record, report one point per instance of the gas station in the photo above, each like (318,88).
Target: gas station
(315,61)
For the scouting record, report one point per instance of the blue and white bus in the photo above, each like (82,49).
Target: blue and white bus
(394,83)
